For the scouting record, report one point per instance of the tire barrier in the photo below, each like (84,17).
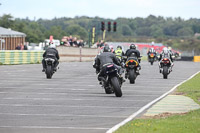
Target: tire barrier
(11,57)
(186,58)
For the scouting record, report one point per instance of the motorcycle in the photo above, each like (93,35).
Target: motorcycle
(49,67)
(132,69)
(151,58)
(165,67)
(112,82)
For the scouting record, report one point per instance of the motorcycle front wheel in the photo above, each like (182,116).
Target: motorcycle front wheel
(165,72)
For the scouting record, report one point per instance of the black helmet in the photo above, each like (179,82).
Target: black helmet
(132,46)
(119,46)
(106,49)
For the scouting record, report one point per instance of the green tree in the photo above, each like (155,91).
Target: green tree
(56,32)
(76,30)
(126,30)
(186,31)
(7,21)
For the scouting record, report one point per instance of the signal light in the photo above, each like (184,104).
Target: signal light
(102,26)
(109,26)
(115,26)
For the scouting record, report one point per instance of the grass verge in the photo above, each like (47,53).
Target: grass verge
(177,123)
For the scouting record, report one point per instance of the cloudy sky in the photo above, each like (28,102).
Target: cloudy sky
(48,9)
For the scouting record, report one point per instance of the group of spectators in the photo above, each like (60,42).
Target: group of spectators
(21,47)
(72,41)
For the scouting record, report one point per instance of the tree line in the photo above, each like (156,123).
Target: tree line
(175,32)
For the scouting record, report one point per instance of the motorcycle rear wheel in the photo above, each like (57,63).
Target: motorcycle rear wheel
(116,86)
(132,76)
(49,72)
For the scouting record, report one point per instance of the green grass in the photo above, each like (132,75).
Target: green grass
(187,123)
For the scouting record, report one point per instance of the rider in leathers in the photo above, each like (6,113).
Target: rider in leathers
(50,53)
(132,50)
(103,60)
(152,50)
(166,54)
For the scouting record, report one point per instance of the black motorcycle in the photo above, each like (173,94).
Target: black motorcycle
(49,67)
(151,58)
(165,67)
(112,82)
(131,66)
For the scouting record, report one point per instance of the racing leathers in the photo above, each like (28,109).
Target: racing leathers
(166,55)
(50,53)
(103,60)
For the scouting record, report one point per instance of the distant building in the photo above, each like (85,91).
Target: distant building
(9,39)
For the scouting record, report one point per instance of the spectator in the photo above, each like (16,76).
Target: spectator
(75,43)
(81,44)
(70,40)
(25,47)
(18,47)
(22,46)
(102,43)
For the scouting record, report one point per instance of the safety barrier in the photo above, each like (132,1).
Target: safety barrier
(9,57)
(196,58)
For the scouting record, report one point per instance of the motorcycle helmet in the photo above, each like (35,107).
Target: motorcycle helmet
(165,50)
(106,49)
(119,47)
(132,46)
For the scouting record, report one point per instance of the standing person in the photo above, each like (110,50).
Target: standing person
(70,40)
(51,52)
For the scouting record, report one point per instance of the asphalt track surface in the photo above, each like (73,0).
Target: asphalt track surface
(73,101)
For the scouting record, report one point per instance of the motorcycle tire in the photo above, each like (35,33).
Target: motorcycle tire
(132,76)
(165,72)
(152,63)
(49,72)
(116,86)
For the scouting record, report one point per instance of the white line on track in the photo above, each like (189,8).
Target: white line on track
(66,99)
(124,90)
(62,115)
(111,130)
(100,94)
(56,127)
(43,105)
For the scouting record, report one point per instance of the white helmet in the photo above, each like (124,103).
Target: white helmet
(165,50)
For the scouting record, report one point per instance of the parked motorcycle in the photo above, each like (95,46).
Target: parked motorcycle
(49,67)
(132,69)
(165,67)
(112,82)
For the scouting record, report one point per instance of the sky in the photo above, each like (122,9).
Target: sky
(49,9)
